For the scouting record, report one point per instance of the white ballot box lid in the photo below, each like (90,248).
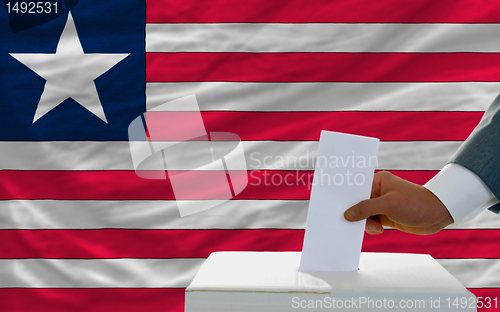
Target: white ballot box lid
(270,281)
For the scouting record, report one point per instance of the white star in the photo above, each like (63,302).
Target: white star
(69,73)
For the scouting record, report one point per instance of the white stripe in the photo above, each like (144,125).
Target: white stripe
(98,273)
(474,273)
(485,220)
(323,37)
(293,155)
(391,156)
(236,214)
(51,214)
(242,96)
(172,273)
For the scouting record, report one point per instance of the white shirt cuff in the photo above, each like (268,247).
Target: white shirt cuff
(462,192)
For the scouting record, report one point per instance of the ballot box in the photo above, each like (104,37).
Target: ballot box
(271,282)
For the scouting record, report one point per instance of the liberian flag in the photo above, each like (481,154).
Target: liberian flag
(81,231)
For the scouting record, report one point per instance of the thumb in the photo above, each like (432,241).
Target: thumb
(366,209)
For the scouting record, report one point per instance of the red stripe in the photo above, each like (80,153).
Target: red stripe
(130,300)
(307,126)
(322,11)
(126,185)
(120,243)
(92,300)
(323,67)
(442,245)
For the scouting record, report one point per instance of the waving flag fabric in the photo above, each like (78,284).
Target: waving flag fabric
(80,231)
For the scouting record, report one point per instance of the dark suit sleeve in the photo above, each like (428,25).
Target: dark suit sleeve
(480,153)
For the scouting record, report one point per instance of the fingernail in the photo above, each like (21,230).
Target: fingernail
(373,228)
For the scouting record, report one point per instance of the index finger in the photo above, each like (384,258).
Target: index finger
(366,209)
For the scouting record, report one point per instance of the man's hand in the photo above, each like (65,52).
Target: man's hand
(400,204)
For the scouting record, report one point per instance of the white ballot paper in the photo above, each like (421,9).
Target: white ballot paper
(343,177)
